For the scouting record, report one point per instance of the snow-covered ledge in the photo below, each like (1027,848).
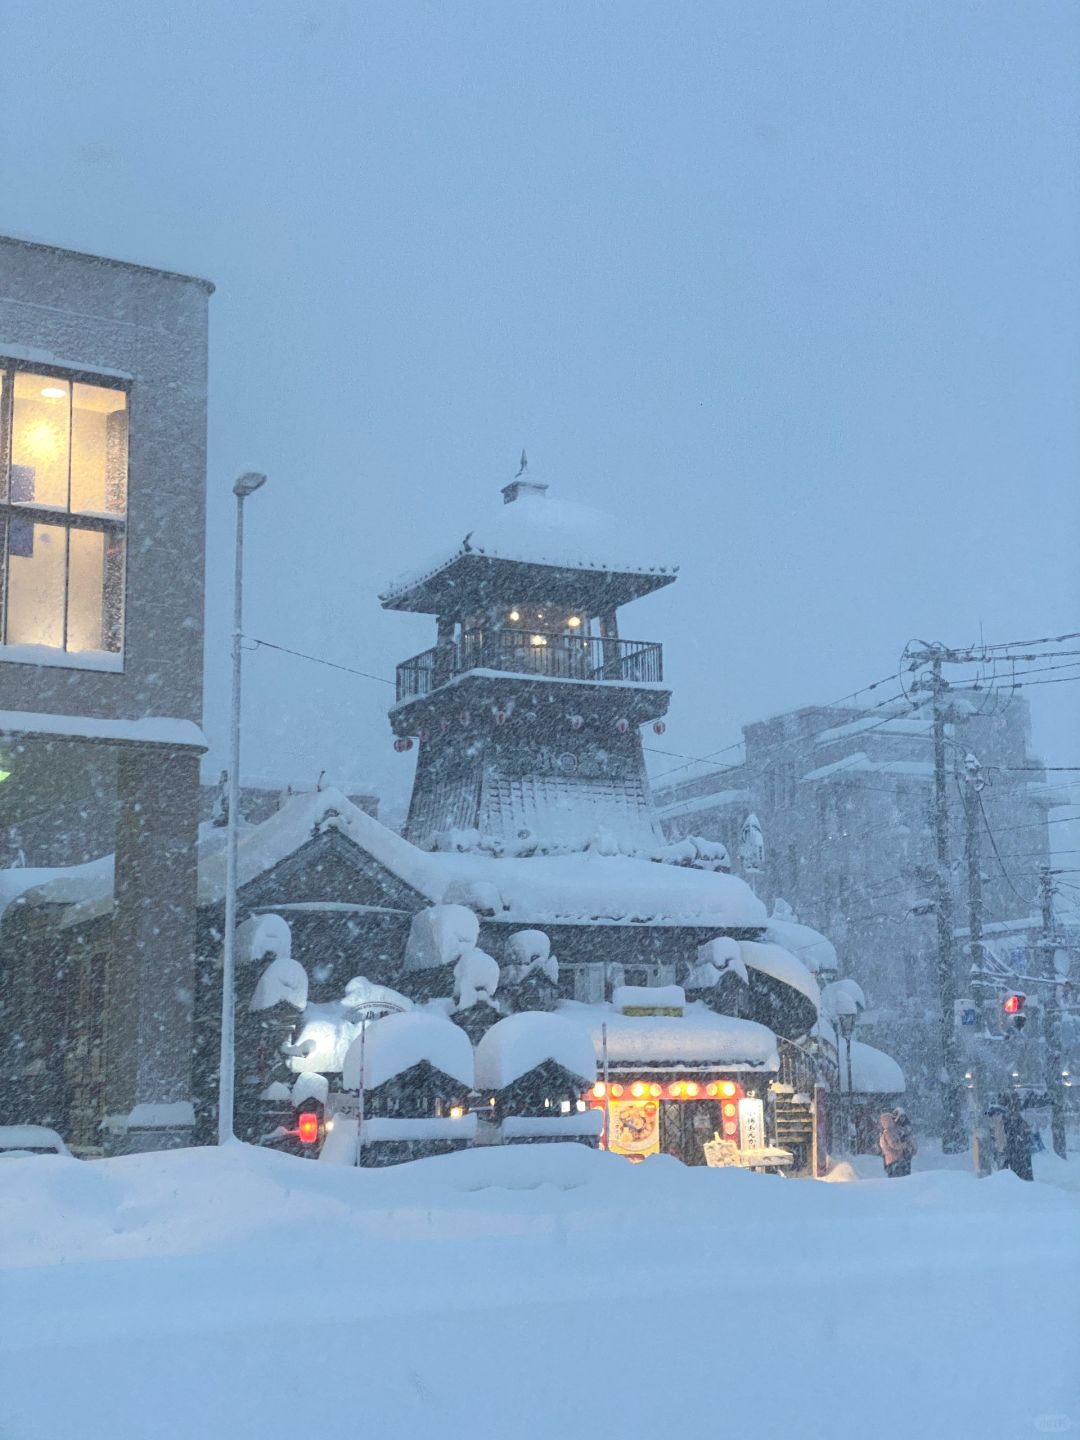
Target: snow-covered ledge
(149,1126)
(150,730)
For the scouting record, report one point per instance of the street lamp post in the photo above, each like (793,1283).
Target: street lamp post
(245,485)
(846,1015)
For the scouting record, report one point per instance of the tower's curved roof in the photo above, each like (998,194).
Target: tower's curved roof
(583,544)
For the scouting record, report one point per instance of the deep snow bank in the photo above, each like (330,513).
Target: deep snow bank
(504,1292)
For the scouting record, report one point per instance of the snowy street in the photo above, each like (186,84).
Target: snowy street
(533,1291)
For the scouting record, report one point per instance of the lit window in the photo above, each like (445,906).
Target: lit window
(63,504)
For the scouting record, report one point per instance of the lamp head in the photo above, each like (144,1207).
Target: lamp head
(248,483)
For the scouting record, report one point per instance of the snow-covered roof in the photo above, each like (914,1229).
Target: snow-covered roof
(572,889)
(584,888)
(773,960)
(699,1038)
(518,1044)
(398,1042)
(301,817)
(861,764)
(906,724)
(539,530)
(701,803)
(815,951)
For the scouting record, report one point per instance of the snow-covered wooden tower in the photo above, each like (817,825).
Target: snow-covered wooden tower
(528,707)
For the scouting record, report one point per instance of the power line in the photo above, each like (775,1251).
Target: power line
(997,853)
(782,745)
(318,660)
(1027,684)
(1021,769)
(1017,644)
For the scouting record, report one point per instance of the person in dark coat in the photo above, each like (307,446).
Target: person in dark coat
(896,1143)
(1017,1138)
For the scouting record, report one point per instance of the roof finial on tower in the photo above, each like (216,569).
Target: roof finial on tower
(521,484)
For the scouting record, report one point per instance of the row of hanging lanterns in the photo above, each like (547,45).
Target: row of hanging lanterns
(576,723)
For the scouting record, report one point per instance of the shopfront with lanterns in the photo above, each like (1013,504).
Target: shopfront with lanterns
(672,1117)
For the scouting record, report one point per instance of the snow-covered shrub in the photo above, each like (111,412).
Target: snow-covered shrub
(440,935)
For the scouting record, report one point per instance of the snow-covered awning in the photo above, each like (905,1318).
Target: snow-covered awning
(872,1071)
(698,1040)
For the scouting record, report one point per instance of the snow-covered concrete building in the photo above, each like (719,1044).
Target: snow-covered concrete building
(102,504)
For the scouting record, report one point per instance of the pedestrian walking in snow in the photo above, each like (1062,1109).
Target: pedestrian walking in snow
(896,1143)
(1017,1138)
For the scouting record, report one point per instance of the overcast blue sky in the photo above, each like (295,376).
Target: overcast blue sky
(793,283)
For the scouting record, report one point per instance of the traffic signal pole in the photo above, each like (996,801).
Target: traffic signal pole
(1052,1014)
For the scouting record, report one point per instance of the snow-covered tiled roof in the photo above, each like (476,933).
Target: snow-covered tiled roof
(538,530)
(572,889)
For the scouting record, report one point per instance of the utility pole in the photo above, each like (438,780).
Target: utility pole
(973,784)
(952,1129)
(1052,1013)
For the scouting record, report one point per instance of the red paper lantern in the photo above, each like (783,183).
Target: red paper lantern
(658,727)
(622,725)
(402,743)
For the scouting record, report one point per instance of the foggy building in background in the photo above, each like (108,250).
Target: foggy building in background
(102,522)
(831,812)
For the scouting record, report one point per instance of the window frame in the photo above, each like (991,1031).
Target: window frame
(116,526)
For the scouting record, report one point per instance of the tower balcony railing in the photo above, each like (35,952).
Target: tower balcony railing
(587,658)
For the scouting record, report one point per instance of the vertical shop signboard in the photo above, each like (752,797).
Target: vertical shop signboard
(751,1124)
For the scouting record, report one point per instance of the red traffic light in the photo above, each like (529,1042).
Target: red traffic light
(1014,1004)
(307,1127)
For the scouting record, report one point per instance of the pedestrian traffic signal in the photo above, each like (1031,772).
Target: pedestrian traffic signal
(1013,1006)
